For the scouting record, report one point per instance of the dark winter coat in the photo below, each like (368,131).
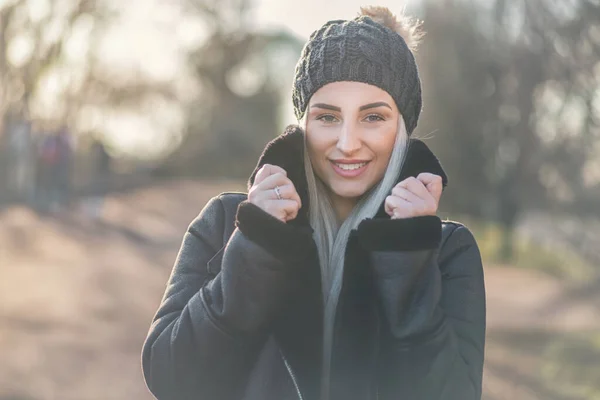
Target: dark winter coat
(241,318)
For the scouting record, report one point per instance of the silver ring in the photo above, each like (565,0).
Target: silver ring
(277,192)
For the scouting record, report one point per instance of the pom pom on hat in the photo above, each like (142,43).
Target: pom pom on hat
(409,28)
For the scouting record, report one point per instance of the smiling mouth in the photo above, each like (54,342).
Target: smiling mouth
(350,167)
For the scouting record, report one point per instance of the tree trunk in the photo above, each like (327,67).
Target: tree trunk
(508,222)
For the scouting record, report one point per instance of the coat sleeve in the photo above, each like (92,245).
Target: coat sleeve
(208,331)
(433,301)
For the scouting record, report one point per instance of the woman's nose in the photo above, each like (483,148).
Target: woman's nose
(348,141)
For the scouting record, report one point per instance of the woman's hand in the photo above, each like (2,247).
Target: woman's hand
(264,195)
(414,197)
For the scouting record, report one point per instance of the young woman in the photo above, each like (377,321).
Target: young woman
(333,278)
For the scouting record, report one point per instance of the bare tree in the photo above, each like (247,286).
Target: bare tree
(238,109)
(512,88)
(36,48)
(40,40)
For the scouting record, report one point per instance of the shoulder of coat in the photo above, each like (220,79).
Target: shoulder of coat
(449,227)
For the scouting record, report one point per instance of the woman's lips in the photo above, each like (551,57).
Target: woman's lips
(349,173)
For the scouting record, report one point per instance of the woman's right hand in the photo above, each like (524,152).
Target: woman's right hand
(263,194)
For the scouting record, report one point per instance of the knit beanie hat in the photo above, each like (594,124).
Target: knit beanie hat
(373,48)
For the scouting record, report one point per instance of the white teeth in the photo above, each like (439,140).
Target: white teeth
(350,167)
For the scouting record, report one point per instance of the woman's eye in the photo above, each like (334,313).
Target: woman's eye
(327,118)
(374,118)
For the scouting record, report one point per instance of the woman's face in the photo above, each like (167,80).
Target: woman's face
(351,128)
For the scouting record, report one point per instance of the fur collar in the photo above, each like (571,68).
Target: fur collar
(286,151)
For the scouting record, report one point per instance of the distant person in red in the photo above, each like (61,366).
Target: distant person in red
(333,278)
(55,159)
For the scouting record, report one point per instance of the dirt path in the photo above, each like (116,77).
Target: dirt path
(542,343)
(77,298)
(528,299)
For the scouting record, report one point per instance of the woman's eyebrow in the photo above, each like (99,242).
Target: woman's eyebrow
(362,108)
(326,106)
(374,105)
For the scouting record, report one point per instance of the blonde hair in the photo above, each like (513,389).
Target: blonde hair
(331,239)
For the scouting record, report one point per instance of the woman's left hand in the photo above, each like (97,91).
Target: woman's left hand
(414,197)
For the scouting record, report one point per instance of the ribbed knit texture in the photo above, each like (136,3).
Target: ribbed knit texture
(359,50)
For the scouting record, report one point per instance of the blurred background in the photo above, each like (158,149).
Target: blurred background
(120,119)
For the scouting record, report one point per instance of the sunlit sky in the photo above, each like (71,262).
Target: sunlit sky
(152,39)
(304,17)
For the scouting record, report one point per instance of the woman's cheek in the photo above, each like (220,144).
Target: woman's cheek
(316,157)
(383,154)
(316,149)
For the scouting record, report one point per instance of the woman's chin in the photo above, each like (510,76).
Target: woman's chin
(351,193)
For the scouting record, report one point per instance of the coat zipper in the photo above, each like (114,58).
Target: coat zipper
(292,375)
